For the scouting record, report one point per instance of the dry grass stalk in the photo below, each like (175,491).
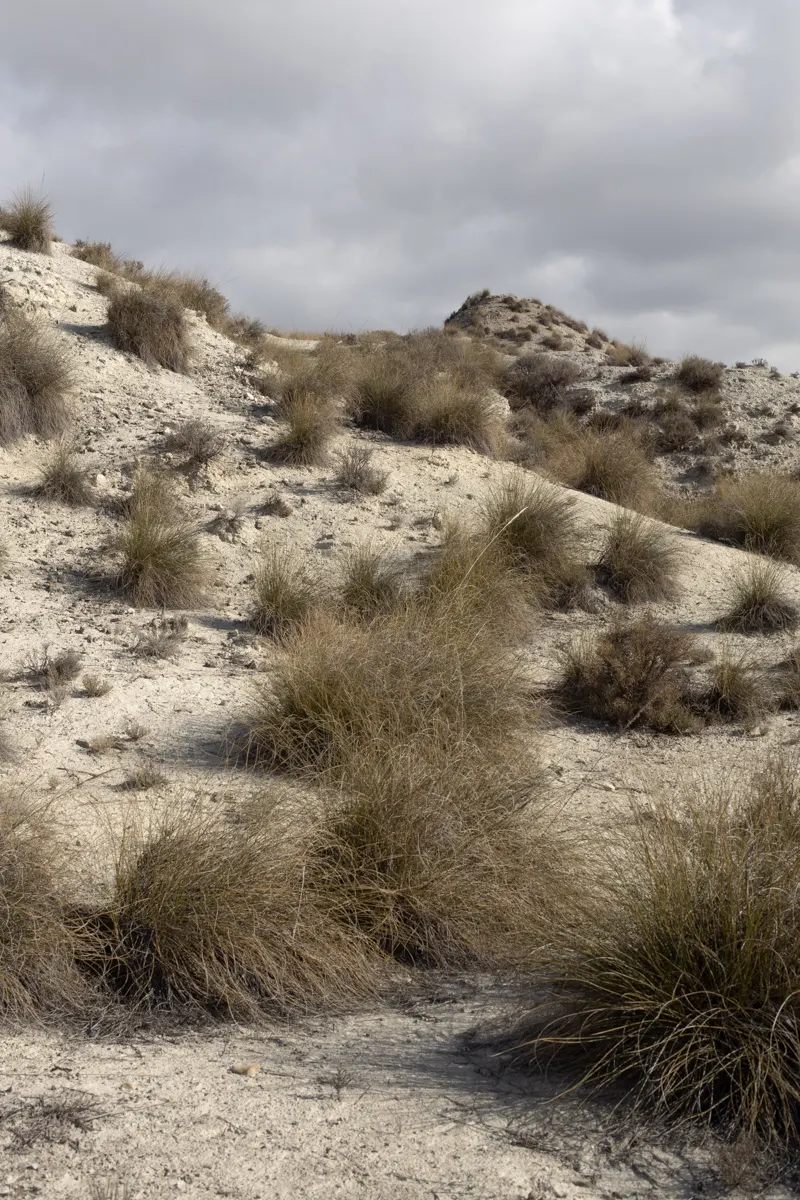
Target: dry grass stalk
(356,471)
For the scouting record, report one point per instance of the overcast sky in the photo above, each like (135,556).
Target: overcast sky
(348,164)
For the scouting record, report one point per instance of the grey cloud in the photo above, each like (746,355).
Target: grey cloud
(366,164)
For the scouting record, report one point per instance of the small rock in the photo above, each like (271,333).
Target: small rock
(248,1069)
(607,786)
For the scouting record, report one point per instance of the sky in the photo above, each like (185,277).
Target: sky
(356,164)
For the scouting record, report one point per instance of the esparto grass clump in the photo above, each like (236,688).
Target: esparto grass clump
(35,378)
(149,321)
(29,220)
(163,563)
(759,603)
(639,561)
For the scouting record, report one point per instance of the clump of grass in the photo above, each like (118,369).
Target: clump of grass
(29,220)
(98,254)
(639,561)
(620,354)
(736,690)
(199,294)
(212,917)
(788,680)
(285,591)
(450,413)
(759,511)
(678,978)
(149,321)
(611,463)
(536,527)
(632,673)
(54,670)
(696,374)
(163,562)
(143,777)
(383,397)
(62,477)
(38,941)
(275,506)
(311,425)
(35,377)
(197,441)
(372,582)
(161,638)
(759,604)
(539,381)
(95,686)
(356,471)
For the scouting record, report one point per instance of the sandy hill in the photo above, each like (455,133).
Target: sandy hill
(381,1103)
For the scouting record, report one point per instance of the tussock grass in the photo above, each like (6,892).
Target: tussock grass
(39,943)
(99,254)
(620,354)
(759,604)
(163,562)
(450,413)
(759,511)
(94,686)
(677,977)
(696,374)
(53,670)
(62,477)
(213,917)
(161,638)
(355,470)
(788,680)
(35,377)
(197,441)
(535,525)
(29,220)
(371,581)
(149,321)
(639,561)
(197,293)
(612,464)
(632,673)
(383,396)
(311,424)
(737,690)
(285,591)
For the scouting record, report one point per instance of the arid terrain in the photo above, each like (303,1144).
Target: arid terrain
(400,1096)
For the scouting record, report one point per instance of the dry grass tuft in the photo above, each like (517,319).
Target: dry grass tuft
(736,690)
(163,562)
(634,673)
(759,604)
(619,354)
(450,413)
(95,686)
(197,441)
(613,464)
(29,220)
(98,254)
(758,511)
(285,591)
(149,321)
(677,978)
(312,423)
(38,942)
(62,477)
(161,637)
(372,583)
(539,381)
(213,917)
(34,379)
(696,374)
(384,397)
(639,561)
(54,671)
(356,471)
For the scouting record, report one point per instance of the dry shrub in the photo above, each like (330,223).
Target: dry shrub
(788,680)
(540,382)
(53,671)
(634,673)
(285,591)
(62,477)
(163,562)
(198,294)
(758,511)
(696,374)
(372,582)
(677,976)
(143,777)
(535,526)
(214,917)
(98,254)
(384,396)
(311,424)
(639,561)
(197,441)
(356,471)
(149,321)
(95,686)
(38,941)
(759,604)
(161,637)
(29,220)
(34,379)
(619,354)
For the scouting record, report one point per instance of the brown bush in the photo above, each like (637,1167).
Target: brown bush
(634,673)
(285,591)
(759,604)
(613,464)
(149,322)
(163,564)
(696,374)
(35,377)
(736,690)
(619,354)
(62,477)
(29,220)
(540,381)
(98,254)
(448,413)
(372,582)
(311,424)
(758,511)
(357,472)
(197,441)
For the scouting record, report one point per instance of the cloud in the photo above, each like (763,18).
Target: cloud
(366,164)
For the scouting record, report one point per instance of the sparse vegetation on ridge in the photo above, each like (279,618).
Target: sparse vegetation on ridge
(29,220)
(149,321)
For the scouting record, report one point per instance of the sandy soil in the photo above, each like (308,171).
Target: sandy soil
(416,1115)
